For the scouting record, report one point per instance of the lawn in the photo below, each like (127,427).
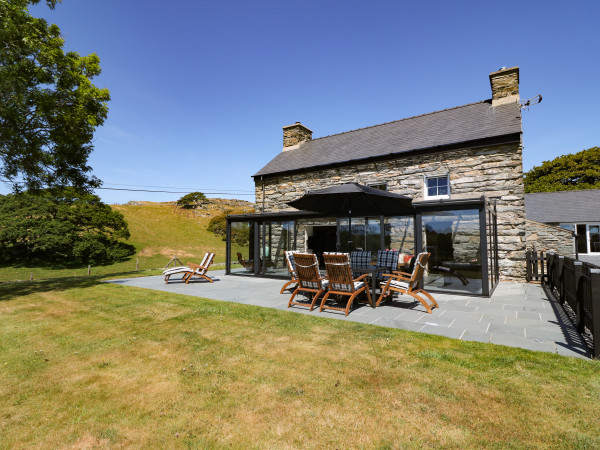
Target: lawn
(84,364)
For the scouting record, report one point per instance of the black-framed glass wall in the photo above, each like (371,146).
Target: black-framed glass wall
(460,235)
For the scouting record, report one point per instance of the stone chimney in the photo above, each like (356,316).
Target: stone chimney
(294,135)
(505,86)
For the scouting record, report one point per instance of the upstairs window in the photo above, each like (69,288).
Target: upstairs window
(437,187)
(380,186)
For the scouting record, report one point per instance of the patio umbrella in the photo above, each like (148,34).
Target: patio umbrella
(352,198)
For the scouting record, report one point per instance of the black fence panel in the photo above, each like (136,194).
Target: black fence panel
(535,266)
(577,285)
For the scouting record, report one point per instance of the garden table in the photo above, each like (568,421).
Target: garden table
(373,270)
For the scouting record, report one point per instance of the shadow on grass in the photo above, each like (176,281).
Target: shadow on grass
(49,264)
(10,290)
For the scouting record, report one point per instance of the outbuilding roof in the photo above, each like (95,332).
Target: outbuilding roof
(428,132)
(563,206)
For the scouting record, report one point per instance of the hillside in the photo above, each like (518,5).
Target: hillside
(162,230)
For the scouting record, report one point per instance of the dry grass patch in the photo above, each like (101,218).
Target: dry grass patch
(103,365)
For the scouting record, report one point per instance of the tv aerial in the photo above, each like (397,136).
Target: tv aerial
(525,104)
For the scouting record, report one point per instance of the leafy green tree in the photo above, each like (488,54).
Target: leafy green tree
(191,200)
(61,227)
(49,107)
(567,172)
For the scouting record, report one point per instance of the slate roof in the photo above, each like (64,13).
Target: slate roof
(427,132)
(563,206)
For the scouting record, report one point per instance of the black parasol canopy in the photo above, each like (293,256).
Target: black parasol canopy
(353,198)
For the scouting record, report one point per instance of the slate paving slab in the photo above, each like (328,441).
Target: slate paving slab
(517,314)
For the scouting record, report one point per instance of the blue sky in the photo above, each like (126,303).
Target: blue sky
(200,89)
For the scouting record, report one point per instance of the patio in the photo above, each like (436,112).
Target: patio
(517,314)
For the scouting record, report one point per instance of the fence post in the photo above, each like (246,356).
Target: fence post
(31,276)
(577,271)
(535,262)
(137,264)
(528,265)
(89,270)
(542,265)
(550,269)
(559,279)
(595,306)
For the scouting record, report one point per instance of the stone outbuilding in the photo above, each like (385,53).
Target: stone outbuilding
(461,166)
(566,222)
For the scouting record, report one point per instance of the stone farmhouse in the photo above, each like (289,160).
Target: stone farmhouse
(461,166)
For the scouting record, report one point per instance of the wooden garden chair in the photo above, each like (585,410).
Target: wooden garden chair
(310,280)
(191,270)
(247,264)
(408,283)
(341,282)
(289,257)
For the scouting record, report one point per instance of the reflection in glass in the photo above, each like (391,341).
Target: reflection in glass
(453,239)
(242,248)
(277,237)
(594,238)
(400,234)
(366,234)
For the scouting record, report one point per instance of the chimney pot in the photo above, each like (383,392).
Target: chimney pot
(505,85)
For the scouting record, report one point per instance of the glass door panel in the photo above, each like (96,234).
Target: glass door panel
(242,248)
(454,241)
(594,231)
(582,238)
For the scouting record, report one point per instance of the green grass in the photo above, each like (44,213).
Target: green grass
(158,231)
(85,364)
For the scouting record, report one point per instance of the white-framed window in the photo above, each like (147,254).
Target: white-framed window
(588,236)
(437,186)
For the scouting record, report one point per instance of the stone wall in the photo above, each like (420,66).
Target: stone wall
(546,237)
(494,171)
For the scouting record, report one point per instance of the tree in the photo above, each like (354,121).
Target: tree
(49,107)
(567,172)
(57,227)
(191,200)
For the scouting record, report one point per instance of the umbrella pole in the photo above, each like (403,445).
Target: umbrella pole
(349,224)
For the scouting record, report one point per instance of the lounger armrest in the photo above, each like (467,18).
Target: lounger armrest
(390,275)
(399,273)
(364,275)
(398,276)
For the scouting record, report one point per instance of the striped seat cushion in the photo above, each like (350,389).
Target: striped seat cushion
(314,284)
(179,269)
(343,287)
(397,284)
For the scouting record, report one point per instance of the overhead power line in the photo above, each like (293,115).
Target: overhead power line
(173,187)
(170,192)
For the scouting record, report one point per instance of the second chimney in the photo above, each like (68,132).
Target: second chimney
(505,86)
(294,135)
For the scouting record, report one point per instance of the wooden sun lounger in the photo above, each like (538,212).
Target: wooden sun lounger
(192,270)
